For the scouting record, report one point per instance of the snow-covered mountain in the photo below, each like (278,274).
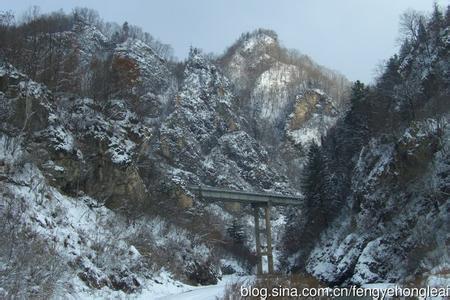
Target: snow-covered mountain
(397,215)
(270,80)
(111,126)
(100,137)
(378,186)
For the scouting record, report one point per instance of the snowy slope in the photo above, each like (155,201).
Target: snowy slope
(395,219)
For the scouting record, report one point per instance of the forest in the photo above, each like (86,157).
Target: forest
(103,131)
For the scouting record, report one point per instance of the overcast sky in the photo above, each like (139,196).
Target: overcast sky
(351,36)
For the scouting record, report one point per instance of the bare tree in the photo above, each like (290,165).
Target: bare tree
(6,18)
(409,25)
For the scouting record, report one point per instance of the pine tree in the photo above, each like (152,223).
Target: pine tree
(358,93)
(315,189)
(390,76)
(125,31)
(405,50)
(356,120)
(436,21)
(447,16)
(236,232)
(422,32)
(304,227)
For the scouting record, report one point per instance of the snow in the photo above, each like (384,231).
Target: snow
(211,292)
(61,138)
(161,285)
(304,136)
(154,76)
(10,149)
(121,150)
(274,81)
(75,225)
(204,293)
(257,40)
(88,39)
(32,89)
(164,287)
(319,114)
(320,92)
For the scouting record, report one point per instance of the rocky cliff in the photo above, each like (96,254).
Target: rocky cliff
(100,136)
(112,127)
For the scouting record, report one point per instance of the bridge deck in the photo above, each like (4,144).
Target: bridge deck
(257,200)
(225,195)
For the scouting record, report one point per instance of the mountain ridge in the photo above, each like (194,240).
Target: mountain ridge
(96,122)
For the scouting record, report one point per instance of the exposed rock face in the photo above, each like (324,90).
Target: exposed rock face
(203,136)
(398,210)
(313,114)
(87,41)
(25,104)
(110,121)
(202,113)
(270,81)
(78,147)
(137,149)
(152,74)
(273,92)
(253,54)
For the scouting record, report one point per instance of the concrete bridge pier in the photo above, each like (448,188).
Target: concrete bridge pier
(257,200)
(267,230)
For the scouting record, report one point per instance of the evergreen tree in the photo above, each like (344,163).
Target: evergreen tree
(315,189)
(436,21)
(405,50)
(390,77)
(358,93)
(304,227)
(422,32)
(125,31)
(356,120)
(447,16)
(236,232)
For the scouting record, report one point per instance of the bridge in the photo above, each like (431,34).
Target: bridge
(257,200)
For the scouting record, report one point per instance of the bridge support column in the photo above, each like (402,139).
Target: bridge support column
(269,240)
(268,233)
(257,240)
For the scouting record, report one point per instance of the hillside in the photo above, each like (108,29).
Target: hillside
(378,187)
(102,133)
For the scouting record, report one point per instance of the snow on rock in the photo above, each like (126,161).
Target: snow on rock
(61,138)
(137,62)
(241,162)
(115,126)
(313,114)
(389,225)
(252,53)
(271,95)
(203,134)
(93,240)
(89,40)
(258,40)
(25,103)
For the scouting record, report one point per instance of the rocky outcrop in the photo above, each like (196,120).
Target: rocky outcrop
(142,77)
(396,213)
(25,104)
(203,140)
(270,80)
(78,148)
(313,114)
(252,54)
